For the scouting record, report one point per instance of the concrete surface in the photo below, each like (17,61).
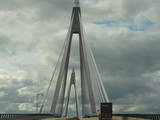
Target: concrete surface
(114,118)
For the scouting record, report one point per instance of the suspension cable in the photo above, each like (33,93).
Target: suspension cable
(53,74)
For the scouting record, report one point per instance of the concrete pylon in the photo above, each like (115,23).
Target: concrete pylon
(75,28)
(72,83)
(92,89)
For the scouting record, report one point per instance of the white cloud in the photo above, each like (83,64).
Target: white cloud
(32,34)
(25,107)
(2,94)
(137,108)
(26,91)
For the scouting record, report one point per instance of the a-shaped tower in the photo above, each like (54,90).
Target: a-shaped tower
(92,89)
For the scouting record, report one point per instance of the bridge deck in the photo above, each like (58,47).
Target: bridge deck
(95,118)
(52,117)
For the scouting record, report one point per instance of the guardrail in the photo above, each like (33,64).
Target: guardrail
(145,116)
(42,116)
(25,116)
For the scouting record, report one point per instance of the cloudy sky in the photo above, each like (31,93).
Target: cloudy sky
(124,36)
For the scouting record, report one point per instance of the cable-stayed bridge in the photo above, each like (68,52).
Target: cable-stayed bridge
(92,91)
(89,91)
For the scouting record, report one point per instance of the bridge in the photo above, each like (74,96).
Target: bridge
(91,90)
(91,93)
(51,116)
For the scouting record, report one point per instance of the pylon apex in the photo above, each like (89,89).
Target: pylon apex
(76,3)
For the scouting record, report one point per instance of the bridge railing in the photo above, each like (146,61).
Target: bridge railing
(42,116)
(25,116)
(145,116)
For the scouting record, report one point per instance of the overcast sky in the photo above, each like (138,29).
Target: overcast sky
(124,36)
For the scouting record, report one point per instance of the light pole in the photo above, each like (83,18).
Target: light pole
(38,95)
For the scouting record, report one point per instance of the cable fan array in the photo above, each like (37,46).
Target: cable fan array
(92,90)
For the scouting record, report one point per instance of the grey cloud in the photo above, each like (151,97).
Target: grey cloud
(124,57)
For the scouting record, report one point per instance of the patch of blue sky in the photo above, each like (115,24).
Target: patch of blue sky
(110,23)
(141,25)
(136,28)
(66,27)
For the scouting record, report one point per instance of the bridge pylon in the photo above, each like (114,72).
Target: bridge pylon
(72,83)
(92,89)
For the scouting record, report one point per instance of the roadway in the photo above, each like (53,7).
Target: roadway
(96,118)
(54,117)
